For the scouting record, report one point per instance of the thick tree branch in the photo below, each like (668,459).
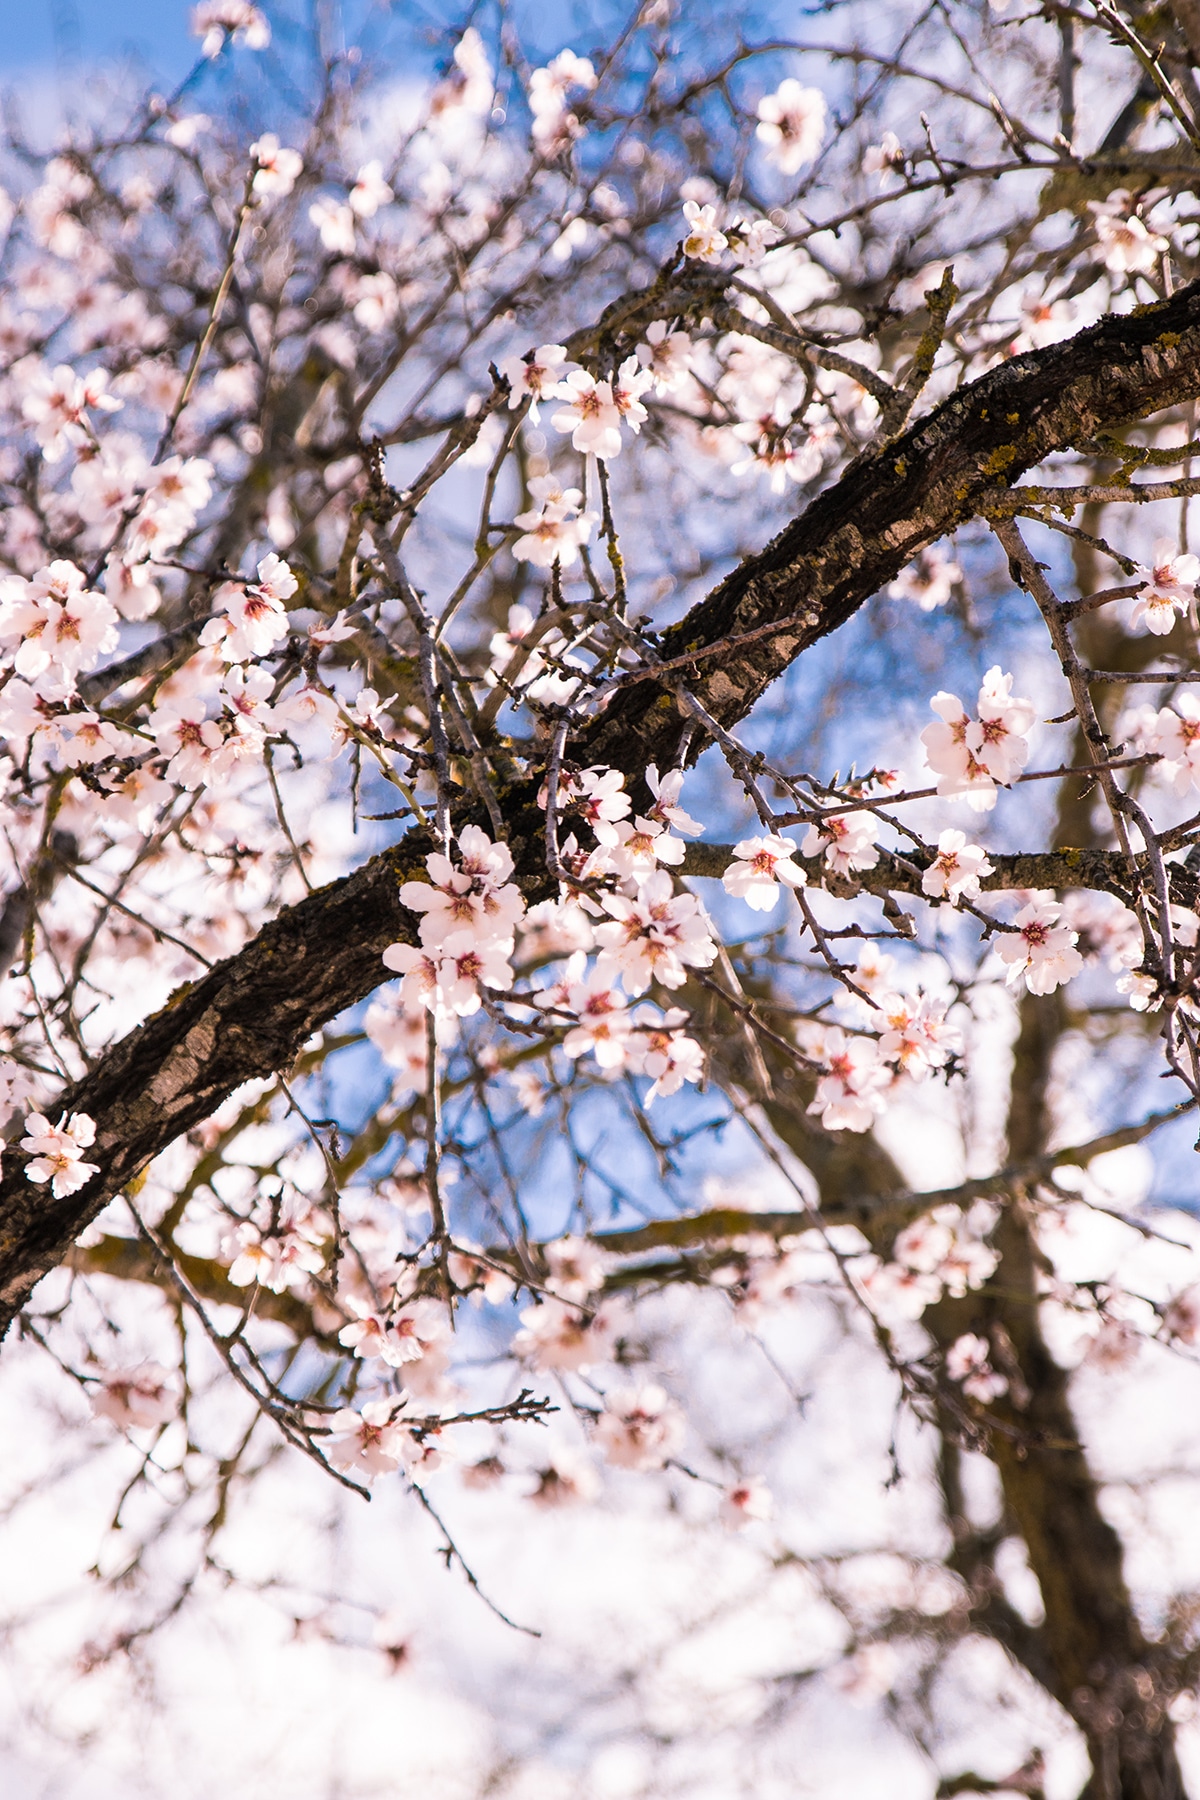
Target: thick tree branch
(249,1016)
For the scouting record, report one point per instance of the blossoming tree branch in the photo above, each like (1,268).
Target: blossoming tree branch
(403,551)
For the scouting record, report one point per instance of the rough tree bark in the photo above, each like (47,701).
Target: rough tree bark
(249,1016)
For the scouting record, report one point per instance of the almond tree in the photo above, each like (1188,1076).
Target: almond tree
(392,609)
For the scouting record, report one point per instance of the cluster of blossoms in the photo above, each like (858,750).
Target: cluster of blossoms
(594,410)
(217,21)
(556,530)
(956,870)
(913,1038)
(469,915)
(773,451)
(642,927)
(554,124)
(281,1251)
(968,1363)
(944,1251)
(973,757)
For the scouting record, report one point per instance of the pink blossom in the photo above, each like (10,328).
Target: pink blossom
(255,614)
(973,756)
(553,122)
(468,87)
(666,356)
(852,1095)
(555,531)
(577,1267)
(367,1332)
(666,790)
(629,384)
(917,1038)
(419,1329)
(749,240)
(1170,588)
(56,1152)
(591,415)
(1128,245)
(746,1503)
(193,743)
(399,1036)
(449,984)
(334,221)
(639,1428)
(559,1336)
(929,579)
(536,376)
(93,740)
(656,935)
(896,1292)
(279,1259)
(602,1021)
(776,453)
(597,795)
(762,863)
(955,872)
(885,157)
(662,1051)
(367,1443)
(997,739)
(56,404)
(143,1398)
(1040,948)
(642,847)
(64,626)
(469,907)
(791,122)
(569,1479)
(370,191)
(847,839)
(1176,736)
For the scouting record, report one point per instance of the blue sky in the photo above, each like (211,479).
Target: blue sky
(40,32)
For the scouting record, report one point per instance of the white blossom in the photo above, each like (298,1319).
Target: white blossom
(956,870)
(851,1096)
(967,1363)
(791,123)
(666,355)
(1170,588)
(55,1152)
(142,1398)
(536,376)
(591,415)
(762,863)
(276,168)
(639,1428)
(929,579)
(847,841)
(1041,949)
(1128,245)
(216,20)
(703,241)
